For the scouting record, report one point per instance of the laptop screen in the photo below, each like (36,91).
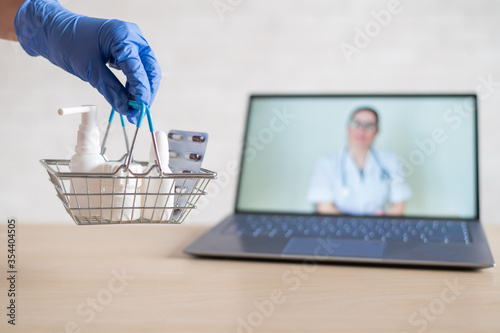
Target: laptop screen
(366,155)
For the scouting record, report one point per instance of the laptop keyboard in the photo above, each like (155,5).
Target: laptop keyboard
(368,229)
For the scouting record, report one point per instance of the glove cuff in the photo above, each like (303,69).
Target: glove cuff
(30,21)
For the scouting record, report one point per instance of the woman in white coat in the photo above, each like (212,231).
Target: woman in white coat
(359,180)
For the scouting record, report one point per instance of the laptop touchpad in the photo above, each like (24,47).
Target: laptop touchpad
(334,247)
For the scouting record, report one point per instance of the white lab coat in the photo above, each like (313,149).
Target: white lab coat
(336,178)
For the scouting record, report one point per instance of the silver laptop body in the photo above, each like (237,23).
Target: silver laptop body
(296,155)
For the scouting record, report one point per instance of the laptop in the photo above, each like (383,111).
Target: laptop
(413,200)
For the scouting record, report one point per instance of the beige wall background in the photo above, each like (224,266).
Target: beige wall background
(213,54)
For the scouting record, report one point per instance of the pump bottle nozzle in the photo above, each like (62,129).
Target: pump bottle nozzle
(88,133)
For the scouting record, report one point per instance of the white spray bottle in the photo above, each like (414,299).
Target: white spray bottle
(87,159)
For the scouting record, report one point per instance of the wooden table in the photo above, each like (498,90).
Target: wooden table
(136,279)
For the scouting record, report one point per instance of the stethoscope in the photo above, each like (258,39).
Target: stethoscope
(384,174)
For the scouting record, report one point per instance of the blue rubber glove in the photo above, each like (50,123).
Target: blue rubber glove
(83,46)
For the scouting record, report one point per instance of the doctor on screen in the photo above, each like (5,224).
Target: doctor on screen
(358,179)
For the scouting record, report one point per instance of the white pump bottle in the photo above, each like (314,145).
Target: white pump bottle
(87,159)
(88,156)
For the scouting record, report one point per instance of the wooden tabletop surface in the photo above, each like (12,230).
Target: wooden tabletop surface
(136,279)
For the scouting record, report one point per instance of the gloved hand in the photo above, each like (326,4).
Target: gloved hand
(83,46)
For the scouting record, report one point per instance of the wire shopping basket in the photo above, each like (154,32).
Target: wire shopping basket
(128,195)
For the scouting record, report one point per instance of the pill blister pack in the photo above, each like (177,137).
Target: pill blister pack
(186,153)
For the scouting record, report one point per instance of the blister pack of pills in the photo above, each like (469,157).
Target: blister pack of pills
(186,153)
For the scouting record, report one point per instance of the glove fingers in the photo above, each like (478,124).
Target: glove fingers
(124,47)
(111,88)
(125,53)
(152,69)
(137,87)
(131,53)
(137,79)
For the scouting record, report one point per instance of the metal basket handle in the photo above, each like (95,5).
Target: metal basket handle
(105,139)
(144,110)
